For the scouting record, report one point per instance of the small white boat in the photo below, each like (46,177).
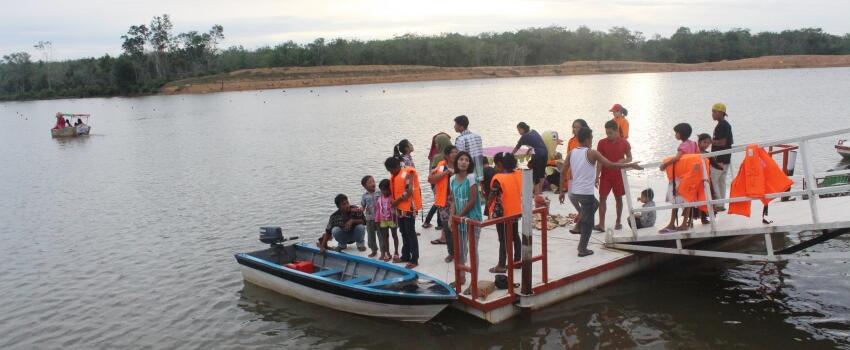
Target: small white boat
(344,282)
(842,149)
(73,131)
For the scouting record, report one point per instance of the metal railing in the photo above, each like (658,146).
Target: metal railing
(784,146)
(472,266)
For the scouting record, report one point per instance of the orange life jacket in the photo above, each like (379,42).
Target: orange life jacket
(688,174)
(397,187)
(758,176)
(441,188)
(511,188)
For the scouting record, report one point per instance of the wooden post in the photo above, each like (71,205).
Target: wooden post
(527,207)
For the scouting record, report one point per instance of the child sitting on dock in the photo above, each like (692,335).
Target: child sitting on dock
(683,132)
(385,219)
(645,219)
(367,202)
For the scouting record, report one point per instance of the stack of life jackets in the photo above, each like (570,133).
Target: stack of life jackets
(758,176)
(688,175)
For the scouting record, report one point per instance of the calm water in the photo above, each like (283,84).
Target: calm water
(124,239)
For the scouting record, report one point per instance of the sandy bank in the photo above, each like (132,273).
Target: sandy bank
(292,77)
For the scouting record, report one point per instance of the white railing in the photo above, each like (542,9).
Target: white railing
(811,190)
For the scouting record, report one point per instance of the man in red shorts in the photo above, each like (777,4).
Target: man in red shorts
(617,149)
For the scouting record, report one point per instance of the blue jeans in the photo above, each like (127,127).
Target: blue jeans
(342,237)
(587,204)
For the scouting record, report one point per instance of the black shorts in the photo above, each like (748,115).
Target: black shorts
(538,167)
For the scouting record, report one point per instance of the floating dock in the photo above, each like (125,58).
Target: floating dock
(557,273)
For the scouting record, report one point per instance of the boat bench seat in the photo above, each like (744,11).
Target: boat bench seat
(357,280)
(328,272)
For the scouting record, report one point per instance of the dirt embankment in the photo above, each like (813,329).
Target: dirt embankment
(292,77)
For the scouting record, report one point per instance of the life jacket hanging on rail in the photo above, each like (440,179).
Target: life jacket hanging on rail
(758,176)
(688,175)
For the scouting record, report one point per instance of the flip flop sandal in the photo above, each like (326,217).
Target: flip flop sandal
(498,270)
(575,232)
(618,226)
(437,241)
(598,228)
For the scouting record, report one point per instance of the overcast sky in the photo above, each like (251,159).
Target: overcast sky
(84,28)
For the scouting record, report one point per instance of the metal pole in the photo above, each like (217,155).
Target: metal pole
(810,180)
(527,207)
(629,202)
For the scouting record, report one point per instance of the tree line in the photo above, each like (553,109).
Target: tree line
(153,55)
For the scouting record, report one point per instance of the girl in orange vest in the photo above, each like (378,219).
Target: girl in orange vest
(683,132)
(439,177)
(407,200)
(506,200)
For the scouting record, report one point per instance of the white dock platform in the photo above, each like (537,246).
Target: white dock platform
(568,275)
(792,216)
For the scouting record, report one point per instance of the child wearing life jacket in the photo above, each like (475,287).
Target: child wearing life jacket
(505,200)
(385,219)
(407,200)
(683,133)
(439,178)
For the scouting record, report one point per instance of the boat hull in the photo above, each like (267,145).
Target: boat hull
(71,131)
(353,302)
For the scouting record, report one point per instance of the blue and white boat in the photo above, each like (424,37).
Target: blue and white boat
(345,282)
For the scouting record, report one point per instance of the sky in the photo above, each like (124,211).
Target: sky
(91,28)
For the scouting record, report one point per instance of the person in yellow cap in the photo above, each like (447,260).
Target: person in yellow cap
(721,140)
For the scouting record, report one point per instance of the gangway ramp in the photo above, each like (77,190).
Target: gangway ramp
(822,207)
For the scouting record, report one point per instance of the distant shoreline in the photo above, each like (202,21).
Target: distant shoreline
(298,77)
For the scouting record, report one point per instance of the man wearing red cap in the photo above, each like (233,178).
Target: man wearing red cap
(620,114)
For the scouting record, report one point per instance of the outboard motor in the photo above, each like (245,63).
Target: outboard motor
(272,235)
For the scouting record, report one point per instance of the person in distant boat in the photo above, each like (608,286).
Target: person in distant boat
(60,121)
(346,225)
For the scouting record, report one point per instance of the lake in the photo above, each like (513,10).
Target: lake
(125,238)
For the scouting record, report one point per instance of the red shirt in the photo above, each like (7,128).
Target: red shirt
(613,151)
